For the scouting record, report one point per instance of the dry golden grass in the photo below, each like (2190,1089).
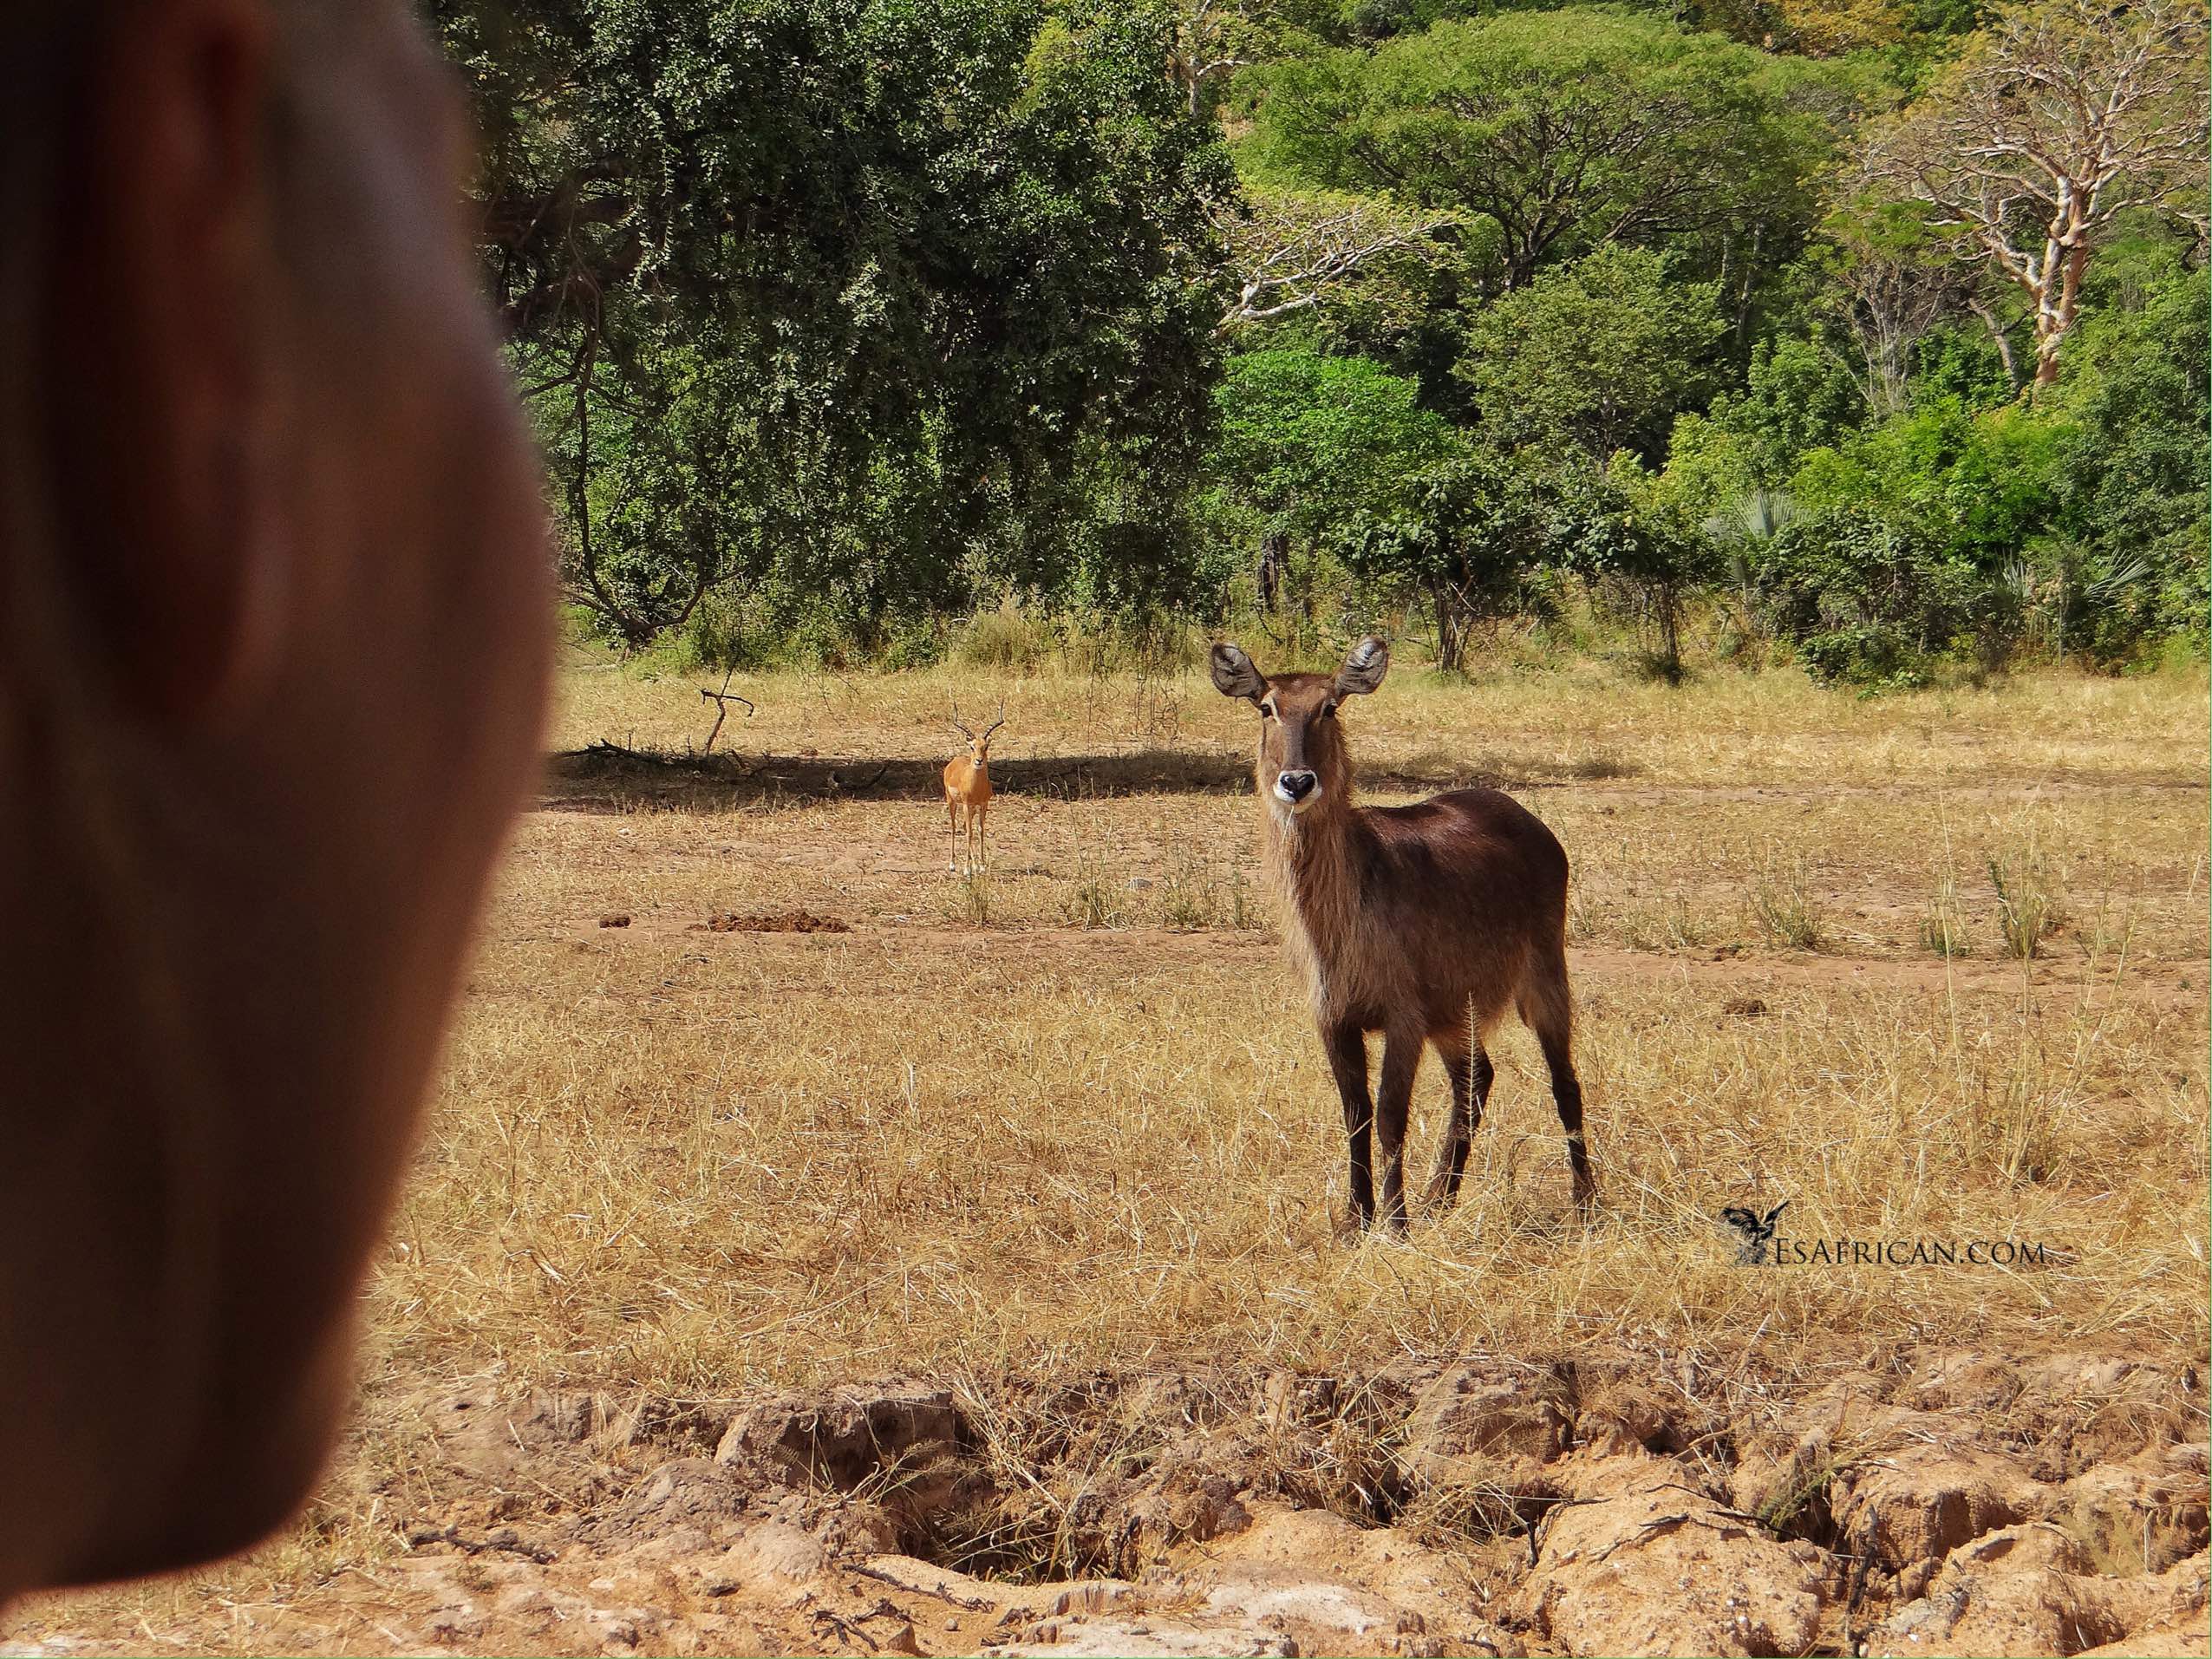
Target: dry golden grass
(1075,1116)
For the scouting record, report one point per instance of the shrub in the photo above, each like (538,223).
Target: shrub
(1007,639)
(1868,602)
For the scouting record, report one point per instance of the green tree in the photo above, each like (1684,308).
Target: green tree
(1600,355)
(1620,527)
(1472,535)
(846,290)
(1911,540)
(2132,461)
(1310,443)
(1567,130)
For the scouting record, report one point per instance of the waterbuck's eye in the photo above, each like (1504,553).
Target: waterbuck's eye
(1267,711)
(1329,711)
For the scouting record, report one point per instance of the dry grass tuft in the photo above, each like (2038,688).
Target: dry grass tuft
(2029,907)
(1785,910)
(1945,930)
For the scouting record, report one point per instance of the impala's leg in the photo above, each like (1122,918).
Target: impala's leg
(1550,1014)
(983,835)
(1467,1063)
(1401,1060)
(1348,1061)
(952,857)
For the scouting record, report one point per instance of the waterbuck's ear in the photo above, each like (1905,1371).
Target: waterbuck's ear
(1364,668)
(1234,675)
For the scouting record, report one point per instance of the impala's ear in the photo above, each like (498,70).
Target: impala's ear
(1234,675)
(1364,668)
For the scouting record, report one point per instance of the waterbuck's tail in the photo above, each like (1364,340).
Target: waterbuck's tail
(1546,1000)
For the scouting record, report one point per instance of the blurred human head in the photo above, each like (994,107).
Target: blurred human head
(274,613)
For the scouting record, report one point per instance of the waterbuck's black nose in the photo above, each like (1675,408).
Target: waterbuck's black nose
(1296,785)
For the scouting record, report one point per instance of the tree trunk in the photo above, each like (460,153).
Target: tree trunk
(1275,556)
(1667,613)
(1450,632)
(2004,345)
(2056,318)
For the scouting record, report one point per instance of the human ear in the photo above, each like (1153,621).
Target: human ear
(156,367)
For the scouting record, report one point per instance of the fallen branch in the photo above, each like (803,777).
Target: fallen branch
(504,1540)
(1662,1522)
(973,1603)
(604,750)
(600,749)
(846,1629)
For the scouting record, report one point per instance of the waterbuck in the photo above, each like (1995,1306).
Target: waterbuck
(1425,923)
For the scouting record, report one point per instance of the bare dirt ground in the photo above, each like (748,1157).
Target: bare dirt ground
(812,1252)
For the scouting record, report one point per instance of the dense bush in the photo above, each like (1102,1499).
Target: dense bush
(1870,599)
(2131,464)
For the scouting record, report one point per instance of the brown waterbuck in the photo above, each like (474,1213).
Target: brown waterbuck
(1425,923)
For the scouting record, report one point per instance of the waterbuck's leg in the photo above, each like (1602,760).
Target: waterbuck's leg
(1549,1015)
(1567,1094)
(1348,1061)
(1468,1066)
(1401,1060)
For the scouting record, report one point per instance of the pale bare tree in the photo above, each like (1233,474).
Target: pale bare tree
(1290,252)
(1214,39)
(2060,117)
(1887,298)
(1892,286)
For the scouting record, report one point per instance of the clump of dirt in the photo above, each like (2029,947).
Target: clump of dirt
(1482,1506)
(615,919)
(789,921)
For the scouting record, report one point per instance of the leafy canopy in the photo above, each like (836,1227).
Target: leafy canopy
(1308,442)
(846,288)
(1566,130)
(1598,355)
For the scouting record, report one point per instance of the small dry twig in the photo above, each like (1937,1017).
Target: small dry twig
(722,700)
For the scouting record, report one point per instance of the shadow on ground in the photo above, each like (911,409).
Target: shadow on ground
(607,777)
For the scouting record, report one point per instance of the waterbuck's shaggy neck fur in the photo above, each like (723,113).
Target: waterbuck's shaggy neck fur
(1312,858)
(1427,922)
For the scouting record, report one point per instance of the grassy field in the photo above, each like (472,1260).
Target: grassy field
(1075,1116)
